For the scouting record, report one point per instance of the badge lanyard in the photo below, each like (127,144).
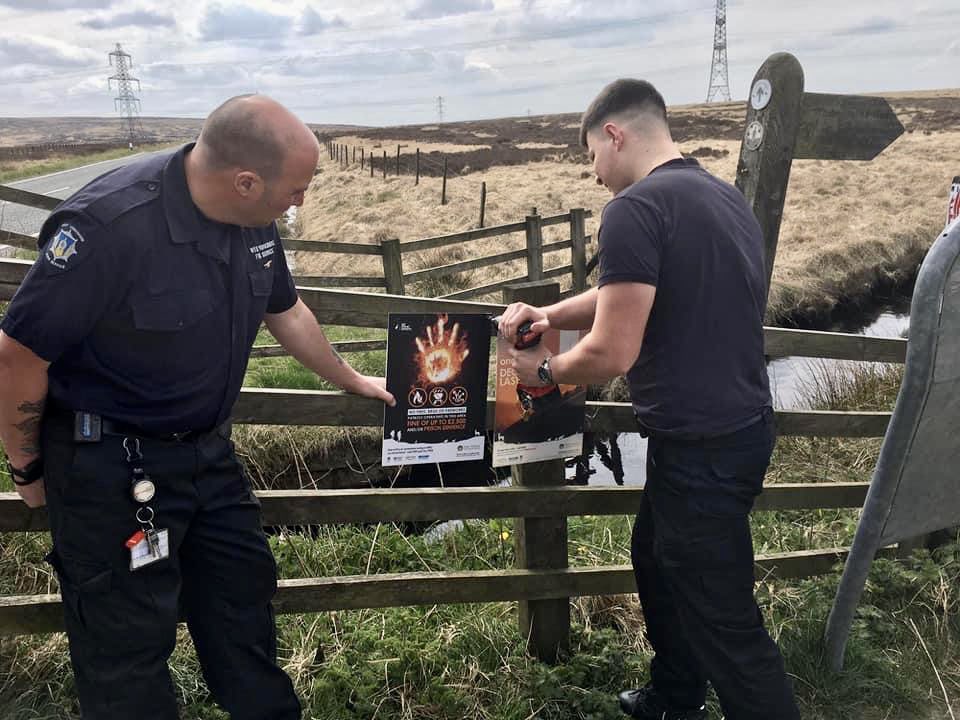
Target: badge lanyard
(147,545)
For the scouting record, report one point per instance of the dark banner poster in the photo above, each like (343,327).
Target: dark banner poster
(437,368)
(535,423)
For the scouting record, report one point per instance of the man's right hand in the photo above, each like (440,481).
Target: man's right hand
(518,313)
(34,494)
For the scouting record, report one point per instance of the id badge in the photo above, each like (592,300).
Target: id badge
(146,552)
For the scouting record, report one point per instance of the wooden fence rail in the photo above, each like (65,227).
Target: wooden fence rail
(391,252)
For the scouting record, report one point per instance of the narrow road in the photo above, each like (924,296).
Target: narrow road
(22,219)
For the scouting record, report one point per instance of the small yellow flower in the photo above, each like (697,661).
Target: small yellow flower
(505,535)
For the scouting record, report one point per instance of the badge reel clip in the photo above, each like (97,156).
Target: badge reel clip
(147,545)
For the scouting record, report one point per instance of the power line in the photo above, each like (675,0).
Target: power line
(126,102)
(719,77)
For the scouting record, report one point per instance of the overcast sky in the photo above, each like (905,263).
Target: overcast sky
(385,63)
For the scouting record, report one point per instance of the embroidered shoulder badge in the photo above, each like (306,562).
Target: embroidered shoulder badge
(64,246)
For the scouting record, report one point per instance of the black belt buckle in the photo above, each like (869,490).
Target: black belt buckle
(87,427)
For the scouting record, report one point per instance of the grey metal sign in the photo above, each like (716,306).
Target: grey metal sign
(915,485)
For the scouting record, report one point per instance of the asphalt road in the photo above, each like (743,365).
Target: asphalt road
(22,219)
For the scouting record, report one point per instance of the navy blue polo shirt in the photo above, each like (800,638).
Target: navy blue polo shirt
(701,369)
(145,308)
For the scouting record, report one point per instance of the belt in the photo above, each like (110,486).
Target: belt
(113,427)
(108,426)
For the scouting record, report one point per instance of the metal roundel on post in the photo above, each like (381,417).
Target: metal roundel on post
(766,155)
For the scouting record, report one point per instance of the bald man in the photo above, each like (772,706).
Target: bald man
(121,357)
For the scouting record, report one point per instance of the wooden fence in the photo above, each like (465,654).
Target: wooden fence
(395,279)
(541,582)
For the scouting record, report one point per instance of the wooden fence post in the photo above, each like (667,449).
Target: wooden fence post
(578,249)
(392,266)
(541,543)
(384,164)
(398,161)
(443,190)
(362,152)
(766,154)
(371,163)
(417,181)
(534,232)
(483,200)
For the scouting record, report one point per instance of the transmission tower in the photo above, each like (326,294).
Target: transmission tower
(440,108)
(126,102)
(719,83)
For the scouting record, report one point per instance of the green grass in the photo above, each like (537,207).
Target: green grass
(468,661)
(19,170)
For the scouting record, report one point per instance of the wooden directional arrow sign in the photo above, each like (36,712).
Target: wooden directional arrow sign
(845,127)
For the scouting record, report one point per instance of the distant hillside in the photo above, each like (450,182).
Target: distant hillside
(37,131)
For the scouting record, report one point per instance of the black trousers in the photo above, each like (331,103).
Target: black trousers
(693,559)
(220,576)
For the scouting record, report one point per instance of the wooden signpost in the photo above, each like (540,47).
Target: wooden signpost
(784,122)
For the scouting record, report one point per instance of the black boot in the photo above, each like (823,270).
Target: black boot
(646,704)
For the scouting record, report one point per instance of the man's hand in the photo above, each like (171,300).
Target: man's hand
(34,494)
(527,362)
(518,313)
(375,387)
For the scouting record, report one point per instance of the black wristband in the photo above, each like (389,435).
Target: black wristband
(28,475)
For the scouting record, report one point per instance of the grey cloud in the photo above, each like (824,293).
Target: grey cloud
(359,65)
(168,74)
(135,18)
(869,26)
(426,9)
(611,30)
(55,4)
(241,22)
(20,51)
(311,22)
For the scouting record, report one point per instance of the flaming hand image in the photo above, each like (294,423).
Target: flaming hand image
(441,353)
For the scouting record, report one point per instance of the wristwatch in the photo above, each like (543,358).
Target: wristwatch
(543,372)
(28,475)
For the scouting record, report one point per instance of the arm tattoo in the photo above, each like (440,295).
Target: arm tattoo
(30,426)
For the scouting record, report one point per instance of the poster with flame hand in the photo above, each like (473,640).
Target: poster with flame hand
(437,366)
(536,423)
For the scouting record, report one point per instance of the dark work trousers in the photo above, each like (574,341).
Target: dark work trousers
(220,576)
(693,559)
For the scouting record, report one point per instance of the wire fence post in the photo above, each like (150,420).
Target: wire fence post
(483,200)
(443,190)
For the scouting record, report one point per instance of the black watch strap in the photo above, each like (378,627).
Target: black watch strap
(543,372)
(29,474)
